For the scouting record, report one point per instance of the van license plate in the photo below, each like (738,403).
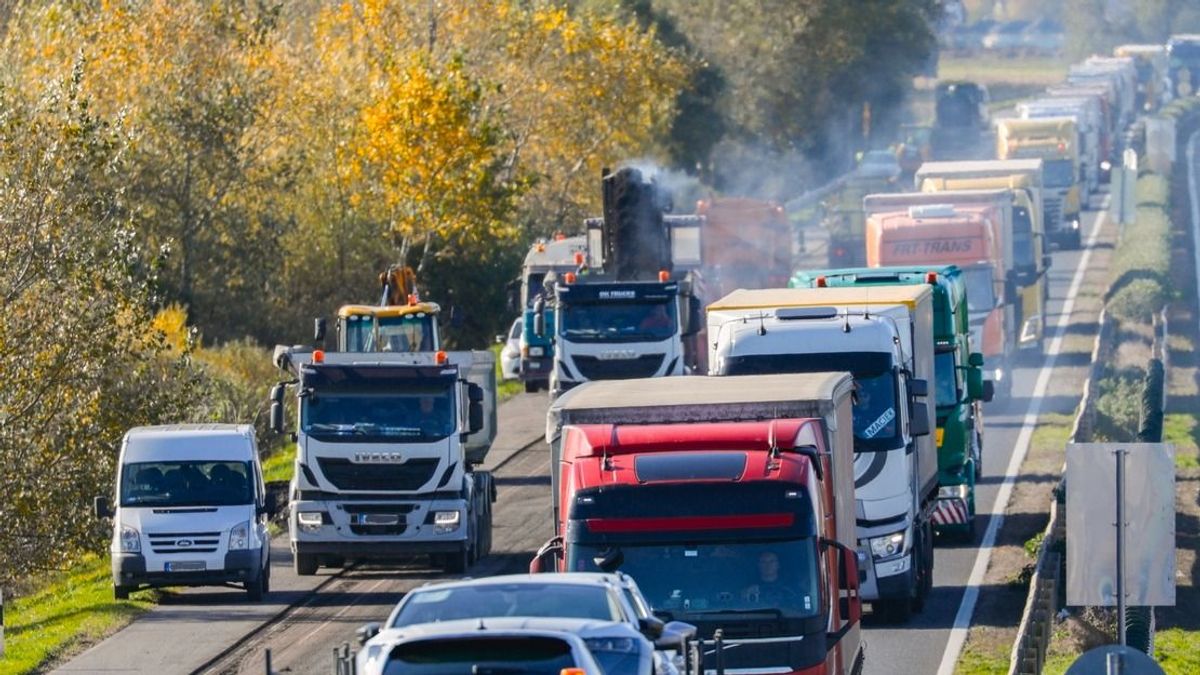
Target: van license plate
(185,566)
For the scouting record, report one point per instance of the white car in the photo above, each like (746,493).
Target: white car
(477,646)
(510,355)
(607,610)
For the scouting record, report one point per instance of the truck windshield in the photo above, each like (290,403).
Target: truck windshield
(644,321)
(876,423)
(946,374)
(694,579)
(420,415)
(408,333)
(184,483)
(981,295)
(1058,173)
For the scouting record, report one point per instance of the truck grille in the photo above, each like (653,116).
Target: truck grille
(1052,209)
(592,368)
(346,475)
(184,542)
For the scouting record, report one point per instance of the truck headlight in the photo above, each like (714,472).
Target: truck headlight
(131,540)
(239,536)
(617,645)
(310,521)
(445,522)
(537,351)
(888,546)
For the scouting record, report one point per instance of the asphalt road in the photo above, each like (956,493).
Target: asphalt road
(918,647)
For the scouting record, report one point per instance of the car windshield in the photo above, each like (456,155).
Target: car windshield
(981,296)
(481,601)
(779,577)
(1058,173)
(423,414)
(183,483)
(946,375)
(644,321)
(514,333)
(539,655)
(876,423)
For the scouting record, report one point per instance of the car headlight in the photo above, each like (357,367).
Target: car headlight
(617,645)
(239,536)
(445,522)
(131,540)
(888,546)
(537,351)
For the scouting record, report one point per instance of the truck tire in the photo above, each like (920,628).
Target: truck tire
(305,564)
(121,592)
(457,562)
(531,386)
(895,611)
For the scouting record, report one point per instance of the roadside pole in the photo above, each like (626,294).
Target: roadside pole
(1120,453)
(1,623)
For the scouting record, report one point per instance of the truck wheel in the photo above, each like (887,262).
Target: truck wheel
(893,611)
(531,386)
(305,564)
(121,592)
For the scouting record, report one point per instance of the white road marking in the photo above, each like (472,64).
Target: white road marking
(962,620)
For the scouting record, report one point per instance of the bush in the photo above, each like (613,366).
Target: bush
(1138,300)
(1140,263)
(1119,406)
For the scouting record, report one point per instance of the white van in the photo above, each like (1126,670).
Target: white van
(191,509)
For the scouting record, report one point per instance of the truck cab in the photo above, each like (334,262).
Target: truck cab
(1086,113)
(386,450)
(883,338)
(1054,140)
(545,261)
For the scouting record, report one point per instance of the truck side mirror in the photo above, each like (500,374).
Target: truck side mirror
(277,393)
(102,507)
(694,312)
(918,387)
(319,332)
(989,391)
(474,408)
(277,417)
(539,317)
(975,360)
(974,383)
(918,423)
(546,558)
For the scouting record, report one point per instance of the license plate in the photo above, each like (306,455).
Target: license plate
(185,566)
(374,519)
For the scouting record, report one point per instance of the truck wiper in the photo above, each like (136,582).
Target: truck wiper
(778,613)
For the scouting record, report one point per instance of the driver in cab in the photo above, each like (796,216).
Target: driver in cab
(768,589)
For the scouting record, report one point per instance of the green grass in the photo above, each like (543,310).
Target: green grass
(505,389)
(996,70)
(978,662)
(1178,651)
(278,465)
(64,613)
(1182,430)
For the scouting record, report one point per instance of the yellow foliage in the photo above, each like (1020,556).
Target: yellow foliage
(171,322)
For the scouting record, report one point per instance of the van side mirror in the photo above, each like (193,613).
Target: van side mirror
(319,332)
(989,391)
(918,423)
(102,507)
(277,417)
(366,632)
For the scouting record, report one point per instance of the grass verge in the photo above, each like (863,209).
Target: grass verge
(64,614)
(505,389)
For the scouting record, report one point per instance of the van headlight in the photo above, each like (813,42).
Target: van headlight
(239,536)
(445,522)
(131,540)
(888,546)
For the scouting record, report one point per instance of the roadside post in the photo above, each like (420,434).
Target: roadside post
(1123,207)
(1110,564)
(1,623)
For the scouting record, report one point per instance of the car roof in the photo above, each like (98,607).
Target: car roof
(566,578)
(198,442)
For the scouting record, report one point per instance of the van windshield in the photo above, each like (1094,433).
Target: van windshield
(187,483)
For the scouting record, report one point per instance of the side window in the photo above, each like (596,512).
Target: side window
(639,607)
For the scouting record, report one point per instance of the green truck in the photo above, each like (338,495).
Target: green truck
(959,386)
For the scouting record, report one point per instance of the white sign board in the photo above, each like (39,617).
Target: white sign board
(1149,518)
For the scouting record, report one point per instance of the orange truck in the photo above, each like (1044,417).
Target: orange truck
(747,244)
(970,236)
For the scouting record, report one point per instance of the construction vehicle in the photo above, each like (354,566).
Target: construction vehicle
(401,322)
(958,389)
(629,310)
(1183,58)
(546,259)
(970,237)
(1055,141)
(387,450)
(842,216)
(730,500)
(1026,262)
(961,121)
(884,337)
(747,244)
(1088,120)
(1152,65)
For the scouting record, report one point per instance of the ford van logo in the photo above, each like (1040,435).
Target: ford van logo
(183,543)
